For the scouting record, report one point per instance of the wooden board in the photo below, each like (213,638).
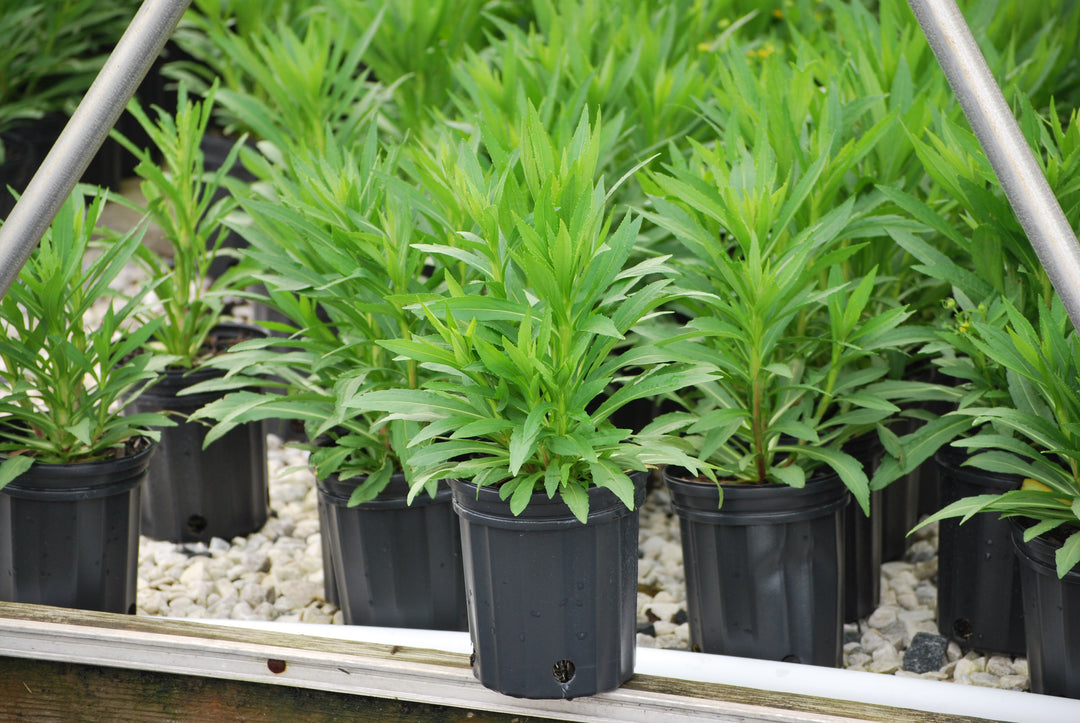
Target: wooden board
(56,662)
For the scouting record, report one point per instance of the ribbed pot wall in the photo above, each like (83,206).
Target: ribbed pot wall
(194,494)
(1051,616)
(394,564)
(979,601)
(764,573)
(552,601)
(69,534)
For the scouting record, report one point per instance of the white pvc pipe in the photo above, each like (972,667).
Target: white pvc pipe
(871,688)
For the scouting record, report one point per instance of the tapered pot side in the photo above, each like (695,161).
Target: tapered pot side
(552,601)
(393,564)
(1051,607)
(764,573)
(863,540)
(69,534)
(194,494)
(979,598)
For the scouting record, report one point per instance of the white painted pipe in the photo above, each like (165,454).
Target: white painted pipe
(85,132)
(812,680)
(999,134)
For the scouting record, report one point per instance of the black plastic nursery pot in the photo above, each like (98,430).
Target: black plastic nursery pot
(69,534)
(764,572)
(194,494)
(864,534)
(899,503)
(1051,613)
(16,170)
(979,599)
(393,564)
(552,601)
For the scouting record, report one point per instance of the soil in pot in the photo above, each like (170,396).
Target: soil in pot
(389,563)
(1051,608)
(764,573)
(194,494)
(69,533)
(552,601)
(979,600)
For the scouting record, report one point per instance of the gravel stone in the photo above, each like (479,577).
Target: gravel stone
(881,618)
(999,665)
(926,653)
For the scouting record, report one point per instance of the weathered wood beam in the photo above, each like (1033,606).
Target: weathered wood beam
(166,662)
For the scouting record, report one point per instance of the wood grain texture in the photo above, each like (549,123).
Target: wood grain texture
(38,691)
(187,670)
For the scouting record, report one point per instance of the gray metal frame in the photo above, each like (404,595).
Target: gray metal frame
(999,134)
(85,132)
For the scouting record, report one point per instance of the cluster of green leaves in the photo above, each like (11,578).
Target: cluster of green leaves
(529,346)
(417,43)
(51,52)
(181,199)
(798,347)
(338,239)
(290,83)
(1036,435)
(970,241)
(65,386)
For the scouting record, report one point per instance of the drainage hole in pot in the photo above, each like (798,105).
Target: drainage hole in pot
(962,628)
(196,524)
(563,670)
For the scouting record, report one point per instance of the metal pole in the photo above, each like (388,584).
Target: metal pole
(1005,146)
(85,132)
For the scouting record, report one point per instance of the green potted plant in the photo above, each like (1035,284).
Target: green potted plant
(338,245)
(192,493)
(73,462)
(528,342)
(1035,437)
(973,242)
(780,306)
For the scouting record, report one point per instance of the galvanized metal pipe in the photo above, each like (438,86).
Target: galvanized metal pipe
(85,132)
(999,134)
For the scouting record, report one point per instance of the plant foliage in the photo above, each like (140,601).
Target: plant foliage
(532,342)
(64,386)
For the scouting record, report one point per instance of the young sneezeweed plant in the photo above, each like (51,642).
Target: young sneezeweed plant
(417,44)
(292,87)
(1037,434)
(338,245)
(530,346)
(63,386)
(798,349)
(180,199)
(969,240)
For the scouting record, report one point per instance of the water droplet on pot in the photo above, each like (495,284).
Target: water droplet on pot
(534,613)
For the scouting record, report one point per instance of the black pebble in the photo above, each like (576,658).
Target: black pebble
(926,653)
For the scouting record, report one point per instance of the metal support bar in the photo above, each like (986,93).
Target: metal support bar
(1005,146)
(85,132)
